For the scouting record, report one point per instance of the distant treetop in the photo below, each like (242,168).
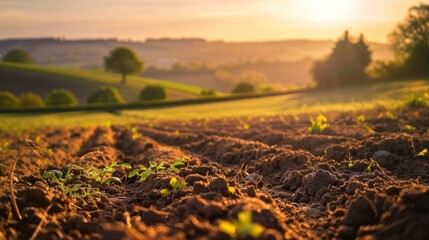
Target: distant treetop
(18,55)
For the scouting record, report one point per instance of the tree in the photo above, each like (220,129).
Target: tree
(123,61)
(243,87)
(208,92)
(105,95)
(18,55)
(31,100)
(8,100)
(254,77)
(345,65)
(152,92)
(410,41)
(60,97)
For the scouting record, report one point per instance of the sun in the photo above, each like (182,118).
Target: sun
(326,11)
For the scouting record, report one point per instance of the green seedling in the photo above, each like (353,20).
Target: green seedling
(176,184)
(175,166)
(231,189)
(410,128)
(70,190)
(104,175)
(319,124)
(350,164)
(368,168)
(422,153)
(243,227)
(369,129)
(360,118)
(144,172)
(135,133)
(4,145)
(165,191)
(243,126)
(390,115)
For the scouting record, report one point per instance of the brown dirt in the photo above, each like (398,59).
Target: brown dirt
(300,185)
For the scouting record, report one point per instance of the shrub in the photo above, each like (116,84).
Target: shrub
(17,55)
(30,100)
(60,97)
(152,92)
(8,100)
(243,87)
(105,95)
(208,92)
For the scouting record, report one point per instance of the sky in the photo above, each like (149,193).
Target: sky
(228,20)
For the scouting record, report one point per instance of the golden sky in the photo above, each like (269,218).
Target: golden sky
(230,20)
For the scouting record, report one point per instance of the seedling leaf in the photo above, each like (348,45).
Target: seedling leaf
(165,191)
(133,173)
(423,152)
(111,179)
(231,189)
(228,228)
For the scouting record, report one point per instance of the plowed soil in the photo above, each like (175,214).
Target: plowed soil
(297,185)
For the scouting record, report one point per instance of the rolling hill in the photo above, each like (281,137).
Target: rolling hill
(19,78)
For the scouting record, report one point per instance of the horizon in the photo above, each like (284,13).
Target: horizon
(258,21)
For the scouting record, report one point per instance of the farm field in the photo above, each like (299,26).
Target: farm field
(389,94)
(343,183)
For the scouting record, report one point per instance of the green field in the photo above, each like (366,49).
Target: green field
(387,94)
(41,79)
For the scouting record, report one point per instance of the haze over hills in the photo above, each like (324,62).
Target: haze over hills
(164,52)
(285,63)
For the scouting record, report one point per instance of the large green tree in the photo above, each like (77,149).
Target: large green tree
(123,61)
(345,65)
(18,55)
(410,41)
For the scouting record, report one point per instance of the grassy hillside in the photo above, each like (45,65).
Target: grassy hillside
(20,78)
(386,94)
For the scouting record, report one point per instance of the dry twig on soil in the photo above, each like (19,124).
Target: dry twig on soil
(39,227)
(12,192)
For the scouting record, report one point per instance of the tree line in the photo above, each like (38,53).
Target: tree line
(350,62)
(63,97)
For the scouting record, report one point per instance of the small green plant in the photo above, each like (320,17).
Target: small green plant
(319,124)
(232,189)
(360,118)
(350,164)
(410,128)
(70,190)
(144,172)
(369,129)
(104,175)
(135,133)
(243,126)
(390,115)
(176,184)
(243,227)
(4,145)
(422,153)
(175,166)
(368,168)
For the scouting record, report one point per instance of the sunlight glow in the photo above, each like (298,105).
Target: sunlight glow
(327,11)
